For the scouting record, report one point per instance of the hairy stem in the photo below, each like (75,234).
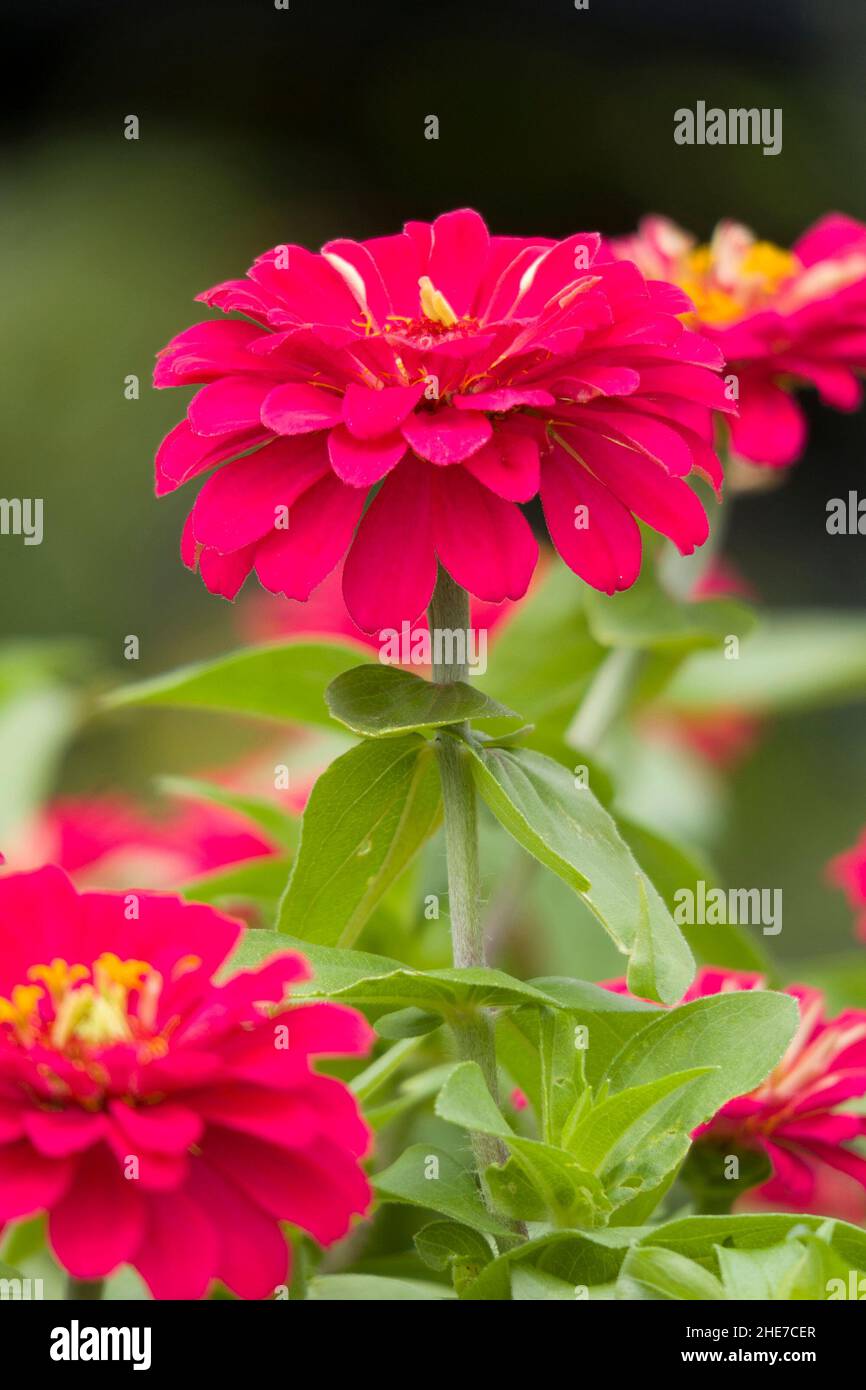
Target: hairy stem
(449,611)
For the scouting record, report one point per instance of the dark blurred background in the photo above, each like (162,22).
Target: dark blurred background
(261,125)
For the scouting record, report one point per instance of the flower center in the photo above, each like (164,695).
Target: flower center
(726,287)
(64,1004)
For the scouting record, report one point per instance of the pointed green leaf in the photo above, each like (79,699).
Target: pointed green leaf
(284,681)
(425,1176)
(568,830)
(368,815)
(382,701)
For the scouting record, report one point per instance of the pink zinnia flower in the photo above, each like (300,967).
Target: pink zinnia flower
(848,871)
(781,318)
(464,373)
(796,1116)
(162,1120)
(106,841)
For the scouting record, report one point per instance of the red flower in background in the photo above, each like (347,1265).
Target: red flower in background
(160,1119)
(782,318)
(797,1115)
(107,841)
(848,871)
(462,375)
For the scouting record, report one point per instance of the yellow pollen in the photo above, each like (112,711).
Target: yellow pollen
(96,1013)
(434,305)
(58,976)
(769,264)
(725,288)
(19,1009)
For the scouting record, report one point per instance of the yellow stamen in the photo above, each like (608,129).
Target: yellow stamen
(434,305)
(58,976)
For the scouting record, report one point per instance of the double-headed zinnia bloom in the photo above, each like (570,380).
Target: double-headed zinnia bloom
(797,1117)
(459,375)
(783,319)
(162,1120)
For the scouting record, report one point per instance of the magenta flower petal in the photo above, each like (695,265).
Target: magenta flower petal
(485,543)
(361,462)
(667,504)
(370,414)
(507,399)
(29,1181)
(299,409)
(225,574)
(172,1268)
(321,527)
(252,1257)
(594,533)
(770,427)
(207,352)
(384,584)
(509,465)
(448,435)
(229,406)
(183,455)
(84,1242)
(58,1133)
(239,504)
(458,255)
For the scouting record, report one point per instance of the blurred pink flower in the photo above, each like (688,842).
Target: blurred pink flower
(796,1116)
(162,1120)
(781,318)
(848,871)
(106,841)
(464,373)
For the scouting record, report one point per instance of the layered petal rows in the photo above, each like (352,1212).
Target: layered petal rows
(783,319)
(395,401)
(160,1119)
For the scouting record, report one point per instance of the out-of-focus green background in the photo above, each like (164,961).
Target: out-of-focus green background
(261,125)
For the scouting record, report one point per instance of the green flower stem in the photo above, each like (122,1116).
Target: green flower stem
(449,610)
(91,1289)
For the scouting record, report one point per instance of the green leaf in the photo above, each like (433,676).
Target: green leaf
(277,824)
(741,1035)
(368,815)
(567,829)
(358,977)
(697,1236)
(373,1288)
(530,1285)
(285,681)
(35,727)
(257,883)
(671,868)
(446,1246)
(651,1273)
(578,1258)
(382,701)
(425,1176)
(645,616)
(791,661)
(571,1195)
(603,1131)
(407,1023)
